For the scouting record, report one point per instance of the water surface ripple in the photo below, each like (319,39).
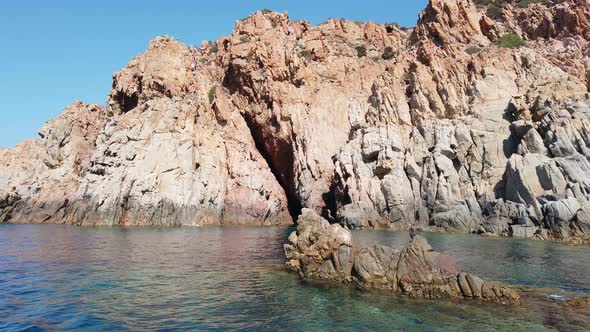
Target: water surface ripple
(211,278)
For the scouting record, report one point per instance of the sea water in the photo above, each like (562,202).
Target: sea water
(232,278)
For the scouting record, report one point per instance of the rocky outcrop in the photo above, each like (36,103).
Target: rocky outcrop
(163,156)
(39,177)
(320,251)
(174,152)
(438,127)
(452,165)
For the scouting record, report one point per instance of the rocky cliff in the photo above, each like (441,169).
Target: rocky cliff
(475,120)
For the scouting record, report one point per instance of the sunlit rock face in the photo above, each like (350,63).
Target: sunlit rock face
(323,251)
(174,154)
(39,178)
(450,125)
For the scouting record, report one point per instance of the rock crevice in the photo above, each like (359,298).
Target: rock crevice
(279,161)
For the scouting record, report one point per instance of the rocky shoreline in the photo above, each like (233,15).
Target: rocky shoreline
(318,250)
(468,122)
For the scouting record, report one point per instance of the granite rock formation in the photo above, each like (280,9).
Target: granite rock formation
(323,251)
(451,125)
(39,178)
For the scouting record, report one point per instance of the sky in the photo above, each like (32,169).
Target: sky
(55,52)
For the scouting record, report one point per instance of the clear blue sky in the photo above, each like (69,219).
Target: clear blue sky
(55,52)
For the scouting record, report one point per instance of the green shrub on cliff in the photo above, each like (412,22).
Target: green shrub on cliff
(211,94)
(494,7)
(526,3)
(494,11)
(472,50)
(361,51)
(388,53)
(511,40)
(213,49)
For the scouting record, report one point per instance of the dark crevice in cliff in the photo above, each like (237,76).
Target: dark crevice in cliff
(126,102)
(330,202)
(278,152)
(279,158)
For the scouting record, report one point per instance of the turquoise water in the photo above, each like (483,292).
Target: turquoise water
(116,279)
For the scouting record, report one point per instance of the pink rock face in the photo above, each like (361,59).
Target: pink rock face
(175,152)
(39,177)
(369,125)
(449,22)
(164,70)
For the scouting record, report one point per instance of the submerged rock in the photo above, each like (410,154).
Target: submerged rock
(323,251)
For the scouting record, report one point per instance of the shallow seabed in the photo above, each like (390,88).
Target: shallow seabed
(211,278)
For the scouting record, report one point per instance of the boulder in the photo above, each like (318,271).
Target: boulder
(560,212)
(320,251)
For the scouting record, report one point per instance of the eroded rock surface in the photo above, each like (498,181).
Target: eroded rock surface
(177,155)
(323,251)
(370,125)
(39,177)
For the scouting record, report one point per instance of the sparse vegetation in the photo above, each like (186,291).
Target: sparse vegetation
(244,39)
(511,40)
(307,54)
(494,11)
(329,77)
(212,93)
(388,53)
(494,7)
(472,50)
(213,48)
(526,3)
(361,51)
(375,58)
(407,77)
(266,11)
